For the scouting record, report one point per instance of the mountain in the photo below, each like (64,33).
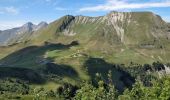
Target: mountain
(121,46)
(143,29)
(15,35)
(119,37)
(125,29)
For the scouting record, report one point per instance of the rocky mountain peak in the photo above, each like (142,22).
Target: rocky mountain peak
(28,24)
(43,23)
(17,34)
(40,26)
(26,27)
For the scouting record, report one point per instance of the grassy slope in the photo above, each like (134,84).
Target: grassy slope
(92,43)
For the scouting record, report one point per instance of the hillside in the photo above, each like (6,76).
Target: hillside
(75,48)
(142,35)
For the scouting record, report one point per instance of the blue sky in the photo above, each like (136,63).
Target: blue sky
(17,12)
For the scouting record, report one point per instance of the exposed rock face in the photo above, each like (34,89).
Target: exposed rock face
(15,35)
(167,69)
(119,21)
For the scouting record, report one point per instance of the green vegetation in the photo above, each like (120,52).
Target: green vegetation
(90,58)
(66,71)
(107,81)
(158,91)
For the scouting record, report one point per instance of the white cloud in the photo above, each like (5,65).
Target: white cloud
(124,4)
(10,24)
(9,10)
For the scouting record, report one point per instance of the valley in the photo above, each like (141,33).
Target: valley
(120,48)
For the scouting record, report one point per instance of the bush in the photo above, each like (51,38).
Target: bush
(158,66)
(67,90)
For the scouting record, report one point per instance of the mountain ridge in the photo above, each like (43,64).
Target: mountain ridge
(139,34)
(117,53)
(116,26)
(15,35)
(116,20)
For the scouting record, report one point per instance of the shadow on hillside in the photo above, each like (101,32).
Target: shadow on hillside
(28,75)
(60,70)
(38,76)
(8,69)
(120,78)
(32,52)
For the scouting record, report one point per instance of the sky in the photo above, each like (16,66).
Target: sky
(14,13)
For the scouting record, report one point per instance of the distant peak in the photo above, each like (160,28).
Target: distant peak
(43,23)
(28,24)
